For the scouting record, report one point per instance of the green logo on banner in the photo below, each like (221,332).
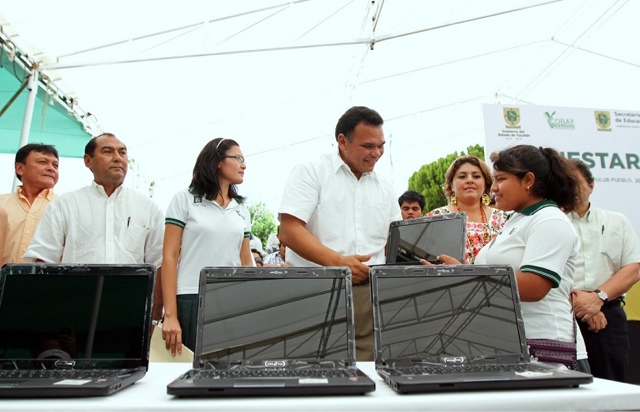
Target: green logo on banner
(512,117)
(603,120)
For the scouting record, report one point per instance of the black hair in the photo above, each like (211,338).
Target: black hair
(23,153)
(353,117)
(555,176)
(91,145)
(205,172)
(412,196)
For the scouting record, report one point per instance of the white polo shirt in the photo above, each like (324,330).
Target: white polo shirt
(347,215)
(541,240)
(87,226)
(212,236)
(608,242)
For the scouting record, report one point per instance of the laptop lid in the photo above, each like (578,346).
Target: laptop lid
(426,237)
(275,317)
(75,316)
(447,314)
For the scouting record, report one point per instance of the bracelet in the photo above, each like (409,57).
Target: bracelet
(156,322)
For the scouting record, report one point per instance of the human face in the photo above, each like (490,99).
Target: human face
(363,151)
(468,184)
(230,168)
(584,191)
(510,191)
(109,162)
(410,210)
(39,171)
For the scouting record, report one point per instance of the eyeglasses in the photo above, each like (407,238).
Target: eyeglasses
(237,157)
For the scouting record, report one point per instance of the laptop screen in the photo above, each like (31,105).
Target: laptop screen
(448,311)
(426,238)
(261,314)
(74,319)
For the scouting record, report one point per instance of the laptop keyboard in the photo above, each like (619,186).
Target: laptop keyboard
(270,373)
(88,374)
(442,369)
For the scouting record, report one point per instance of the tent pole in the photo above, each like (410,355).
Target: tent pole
(28,114)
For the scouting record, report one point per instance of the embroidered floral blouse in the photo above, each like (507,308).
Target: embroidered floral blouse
(477,235)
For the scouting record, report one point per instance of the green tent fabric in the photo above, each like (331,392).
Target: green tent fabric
(50,124)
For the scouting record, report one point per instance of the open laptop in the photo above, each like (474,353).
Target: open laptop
(425,238)
(73,330)
(449,328)
(274,331)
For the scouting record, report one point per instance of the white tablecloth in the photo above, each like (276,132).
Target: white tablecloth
(150,394)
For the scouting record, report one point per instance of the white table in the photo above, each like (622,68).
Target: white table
(150,394)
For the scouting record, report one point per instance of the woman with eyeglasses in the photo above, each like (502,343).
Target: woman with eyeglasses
(207,224)
(467,186)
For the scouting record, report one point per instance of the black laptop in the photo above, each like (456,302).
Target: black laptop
(451,328)
(274,331)
(425,238)
(73,330)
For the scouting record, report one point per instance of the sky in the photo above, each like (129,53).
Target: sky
(275,76)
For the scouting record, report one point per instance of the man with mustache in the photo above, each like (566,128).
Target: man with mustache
(103,222)
(36,167)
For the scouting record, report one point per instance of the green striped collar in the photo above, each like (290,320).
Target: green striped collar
(530,210)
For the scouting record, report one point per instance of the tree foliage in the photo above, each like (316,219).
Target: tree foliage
(429,179)
(263,222)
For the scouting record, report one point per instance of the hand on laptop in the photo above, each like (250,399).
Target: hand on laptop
(443,260)
(359,271)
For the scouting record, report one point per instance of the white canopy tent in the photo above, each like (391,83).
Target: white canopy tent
(166,77)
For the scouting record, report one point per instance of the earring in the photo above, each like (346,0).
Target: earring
(527,188)
(454,199)
(486,199)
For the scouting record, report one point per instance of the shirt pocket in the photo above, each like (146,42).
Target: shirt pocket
(377,221)
(611,248)
(134,239)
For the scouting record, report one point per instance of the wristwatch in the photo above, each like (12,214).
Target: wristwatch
(602,295)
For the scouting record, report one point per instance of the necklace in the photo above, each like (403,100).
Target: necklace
(484,239)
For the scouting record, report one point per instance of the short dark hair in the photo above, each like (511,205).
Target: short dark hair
(23,152)
(555,175)
(584,170)
(353,117)
(457,164)
(412,196)
(93,143)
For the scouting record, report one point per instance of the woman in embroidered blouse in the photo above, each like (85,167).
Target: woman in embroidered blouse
(466,187)
(207,224)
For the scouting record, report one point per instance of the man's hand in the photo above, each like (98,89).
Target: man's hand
(172,335)
(585,304)
(597,322)
(359,271)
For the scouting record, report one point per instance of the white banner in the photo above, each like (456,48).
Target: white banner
(607,140)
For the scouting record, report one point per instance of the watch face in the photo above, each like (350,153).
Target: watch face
(603,295)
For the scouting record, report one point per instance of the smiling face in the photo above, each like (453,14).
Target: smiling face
(468,183)
(511,192)
(363,151)
(231,168)
(39,171)
(109,162)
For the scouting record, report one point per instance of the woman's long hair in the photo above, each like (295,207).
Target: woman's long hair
(206,172)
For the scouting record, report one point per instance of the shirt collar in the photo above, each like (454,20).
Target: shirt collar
(530,210)
(337,163)
(48,193)
(100,189)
